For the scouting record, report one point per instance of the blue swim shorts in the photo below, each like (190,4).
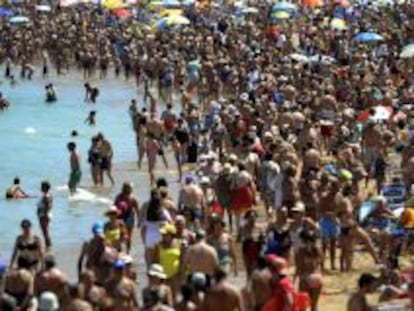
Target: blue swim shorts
(329,229)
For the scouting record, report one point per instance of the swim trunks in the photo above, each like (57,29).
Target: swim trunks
(75,177)
(329,229)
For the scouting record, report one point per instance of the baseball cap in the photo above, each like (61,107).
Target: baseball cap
(119,264)
(98,227)
(299,207)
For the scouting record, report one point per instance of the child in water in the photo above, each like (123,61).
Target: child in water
(90,120)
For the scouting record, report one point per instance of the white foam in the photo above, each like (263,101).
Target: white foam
(83,195)
(30,130)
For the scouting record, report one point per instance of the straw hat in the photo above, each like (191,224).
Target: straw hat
(112,210)
(157,271)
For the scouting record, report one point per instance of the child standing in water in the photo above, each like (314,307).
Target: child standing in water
(90,120)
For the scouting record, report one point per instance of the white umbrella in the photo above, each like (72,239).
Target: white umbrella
(407,51)
(43,8)
(299,57)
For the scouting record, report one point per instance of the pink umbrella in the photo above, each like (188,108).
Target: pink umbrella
(399,116)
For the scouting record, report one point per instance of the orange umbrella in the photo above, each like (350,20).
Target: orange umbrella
(312,3)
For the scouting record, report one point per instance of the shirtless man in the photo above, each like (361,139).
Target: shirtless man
(93,251)
(76,301)
(328,223)
(19,284)
(191,200)
(107,154)
(51,279)
(260,288)
(222,296)
(200,249)
(371,138)
(367,284)
(312,159)
(122,289)
(75,171)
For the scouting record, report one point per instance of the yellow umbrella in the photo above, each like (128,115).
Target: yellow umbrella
(114,4)
(171,12)
(337,23)
(154,4)
(281,15)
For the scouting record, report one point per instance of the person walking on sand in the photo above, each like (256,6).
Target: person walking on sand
(75,171)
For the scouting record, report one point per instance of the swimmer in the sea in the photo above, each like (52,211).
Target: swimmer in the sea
(75,171)
(15,191)
(90,120)
(12,80)
(4,104)
(74,133)
(91,93)
(50,93)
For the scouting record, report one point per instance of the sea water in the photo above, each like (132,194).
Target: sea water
(33,138)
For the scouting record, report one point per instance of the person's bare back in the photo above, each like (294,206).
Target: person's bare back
(209,262)
(224,297)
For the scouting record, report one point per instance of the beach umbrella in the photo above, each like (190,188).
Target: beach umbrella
(325,59)
(299,57)
(381,113)
(250,10)
(19,20)
(281,15)
(368,37)
(188,2)
(407,51)
(5,12)
(165,3)
(338,23)
(122,13)
(313,3)
(284,6)
(170,12)
(173,20)
(114,4)
(43,8)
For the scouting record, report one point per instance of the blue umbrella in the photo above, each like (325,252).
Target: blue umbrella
(368,37)
(5,12)
(19,20)
(284,6)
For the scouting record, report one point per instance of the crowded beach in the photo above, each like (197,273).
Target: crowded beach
(289,129)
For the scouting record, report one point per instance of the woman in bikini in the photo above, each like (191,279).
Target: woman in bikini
(44,209)
(28,247)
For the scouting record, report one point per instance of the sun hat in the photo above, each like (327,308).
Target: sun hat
(112,210)
(127,259)
(156,270)
(48,301)
(168,229)
(299,207)
(204,180)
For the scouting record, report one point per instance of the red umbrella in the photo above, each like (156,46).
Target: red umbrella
(122,13)
(378,113)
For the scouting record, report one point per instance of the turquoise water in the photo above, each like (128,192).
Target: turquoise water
(33,138)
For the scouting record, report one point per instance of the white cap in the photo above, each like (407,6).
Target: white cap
(48,301)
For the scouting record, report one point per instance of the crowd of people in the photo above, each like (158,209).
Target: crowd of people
(289,124)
